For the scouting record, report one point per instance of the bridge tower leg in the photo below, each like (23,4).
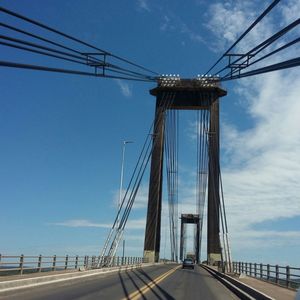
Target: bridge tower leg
(153,225)
(197,246)
(213,229)
(182,240)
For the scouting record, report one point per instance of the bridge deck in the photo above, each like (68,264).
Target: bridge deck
(154,282)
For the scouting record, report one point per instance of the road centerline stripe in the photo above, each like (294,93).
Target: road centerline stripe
(147,287)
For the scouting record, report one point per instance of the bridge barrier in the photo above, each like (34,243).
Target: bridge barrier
(285,276)
(25,264)
(11,283)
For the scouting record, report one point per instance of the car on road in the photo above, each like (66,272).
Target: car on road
(188,263)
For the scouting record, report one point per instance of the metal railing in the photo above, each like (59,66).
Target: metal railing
(24,264)
(281,275)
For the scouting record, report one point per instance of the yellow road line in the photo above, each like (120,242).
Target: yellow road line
(146,288)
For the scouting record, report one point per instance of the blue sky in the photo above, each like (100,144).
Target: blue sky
(61,135)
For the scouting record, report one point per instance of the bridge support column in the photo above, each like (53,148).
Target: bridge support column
(182,241)
(197,246)
(153,225)
(213,230)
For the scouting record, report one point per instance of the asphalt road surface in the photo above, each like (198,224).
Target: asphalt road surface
(168,281)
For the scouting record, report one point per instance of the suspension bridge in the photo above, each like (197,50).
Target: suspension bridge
(149,278)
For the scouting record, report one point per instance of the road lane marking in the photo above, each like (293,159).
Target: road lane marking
(147,287)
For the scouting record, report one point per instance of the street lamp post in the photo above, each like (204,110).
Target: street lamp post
(121,182)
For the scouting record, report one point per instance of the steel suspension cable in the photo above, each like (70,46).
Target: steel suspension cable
(136,171)
(116,233)
(162,110)
(39,24)
(202,166)
(91,57)
(259,48)
(229,75)
(44,39)
(65,71)
(295,62)
(66,56)
(171,145)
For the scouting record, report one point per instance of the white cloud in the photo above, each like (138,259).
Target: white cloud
(221,13)
(172,22)
(143,5)
(290,10)
(166,24)
(124,87)
(141,199)
(193,35)
(262,171)
(136,224)
(137,238)
(228,20)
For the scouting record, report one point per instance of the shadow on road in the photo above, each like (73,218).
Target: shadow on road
(142,276)
(142,272)
(123,284)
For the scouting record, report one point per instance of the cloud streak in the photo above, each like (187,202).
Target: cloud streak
(84,223)
(170,22)
(80,223)
(124,87)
